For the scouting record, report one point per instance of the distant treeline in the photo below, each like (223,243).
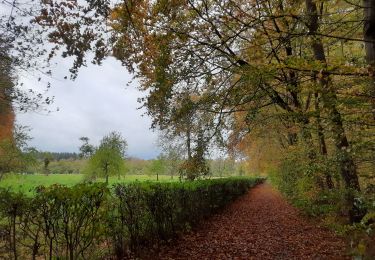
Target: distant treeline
(71,163)
(57,156)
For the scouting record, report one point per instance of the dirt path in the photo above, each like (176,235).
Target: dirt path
(259,225)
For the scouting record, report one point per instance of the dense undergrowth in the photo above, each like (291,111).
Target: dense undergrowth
(93,221)
(305,186)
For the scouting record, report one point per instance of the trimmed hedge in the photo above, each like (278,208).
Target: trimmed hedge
(91,221)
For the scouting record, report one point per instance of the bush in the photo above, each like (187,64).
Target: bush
(91,221)
(304,184)
(57,222)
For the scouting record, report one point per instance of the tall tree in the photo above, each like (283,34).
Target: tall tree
(6,87)
(15,153)
(86,150)
(108,158)
(157,166)
(347,166)
(369,39)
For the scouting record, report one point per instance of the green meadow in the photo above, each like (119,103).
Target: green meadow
(27,183)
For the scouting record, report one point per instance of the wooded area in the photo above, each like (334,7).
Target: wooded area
(287,85)
(294,74)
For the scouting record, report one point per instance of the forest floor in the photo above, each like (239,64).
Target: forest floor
(259,225)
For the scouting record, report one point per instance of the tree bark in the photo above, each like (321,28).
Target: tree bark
(369,38)
(322,141)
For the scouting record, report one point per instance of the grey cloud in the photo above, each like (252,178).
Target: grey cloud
(96,103)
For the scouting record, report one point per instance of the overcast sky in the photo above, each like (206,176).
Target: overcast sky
(96,103)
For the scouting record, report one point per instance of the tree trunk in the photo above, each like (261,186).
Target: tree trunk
(14,243)
(346,163)
(322,141)
(50,249)
(369,38)
(188,141)
(106,173)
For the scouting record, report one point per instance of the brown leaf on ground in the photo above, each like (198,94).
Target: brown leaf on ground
(259,225)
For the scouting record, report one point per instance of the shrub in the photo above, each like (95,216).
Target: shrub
(91,221)
(57,222)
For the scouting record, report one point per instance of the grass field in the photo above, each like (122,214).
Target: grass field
(27,183)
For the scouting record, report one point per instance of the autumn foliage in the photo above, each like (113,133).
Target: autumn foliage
(6,121)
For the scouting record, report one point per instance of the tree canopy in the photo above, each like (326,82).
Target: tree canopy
(289,78)
(108,159)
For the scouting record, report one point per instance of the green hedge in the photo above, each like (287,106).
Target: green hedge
(91,221)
